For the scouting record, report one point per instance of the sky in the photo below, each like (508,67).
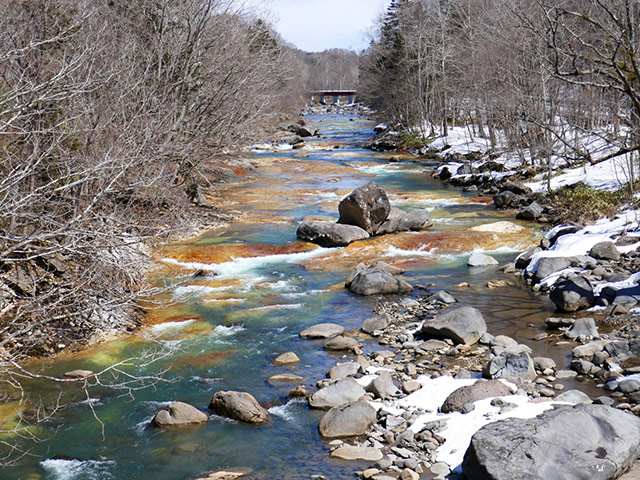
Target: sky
(316,25)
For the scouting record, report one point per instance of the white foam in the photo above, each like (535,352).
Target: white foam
(162,328)
(286,411)
(60,469)
(222,331)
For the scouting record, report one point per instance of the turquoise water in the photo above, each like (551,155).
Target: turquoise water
(225,330)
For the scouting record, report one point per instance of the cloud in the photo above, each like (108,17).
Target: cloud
(315,25)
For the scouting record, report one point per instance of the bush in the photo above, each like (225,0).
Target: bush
(581,202)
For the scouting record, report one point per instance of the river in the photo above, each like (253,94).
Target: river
(257,290)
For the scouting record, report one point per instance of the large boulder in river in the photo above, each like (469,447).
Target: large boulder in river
(376,281)
(573,294)
(347,420)
(462,325)
(400,221)
(472,393)
(366,207)
(341,392)
(239,406)
(578,442)
(328,234)
(179,414)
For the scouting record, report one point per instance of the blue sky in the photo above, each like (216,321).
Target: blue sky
(316,25)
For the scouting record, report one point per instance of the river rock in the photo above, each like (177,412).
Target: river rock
(518,188)
(286,359)
(328,234)
(322,330)
(578,442)
(342,343)
(442,297)
(78,374)
(239,406)
(366,207)
(463,325)
(498,227)
(376,281)
(343,370)
(524,259)
(343,391)
(550,265)
(228,474)
(284,378)
(518,366)
(349,452)
(605,251)
(559,322)
(376,323)
(544,363)
(533,212)
(505,199)
(583,330)
(347,420)
(481,260)
(472,393)
(179,414)
(548,242)
(400,221)
(573,294)
(382,386)
(574,396)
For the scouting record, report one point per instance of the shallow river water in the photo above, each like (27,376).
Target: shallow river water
(258,289)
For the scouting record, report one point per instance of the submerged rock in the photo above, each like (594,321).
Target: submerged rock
(179,414)
(569,442)
(239,406)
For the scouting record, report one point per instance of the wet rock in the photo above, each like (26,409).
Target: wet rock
(505,199)
(322,330)
(343,370)
(349,452)
(532,212)
(410,387)
(383,387)
(343,391)
(179,414)
(574,396)
(518,366)
(328,234)
(376,281)
(573,294)
(588,350)
(481,260)
(584,329)
(605,251)
(582,367)
(298,391)
(629,385)
(582,441)
(286,359)
(478,391)
(366,207)
(463,325)
(239,406)
(342,343)
(347,420)
(376,323)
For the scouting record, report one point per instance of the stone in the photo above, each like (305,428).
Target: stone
(574,396)
(382,386)
(322,330)
(239,406)
(481,260)
(228,474)
(531,213)
(431,345)
(543,363)
(605,251)
(366,207)
(442,297)
(410,387)
(376,323)
(478,391)
(78,374)
(588,350)
(559,322)
(518,188)
(504,341)
(408,474)
(524,259)
(557,232)
(549,265)
(179,414)
(298,391)
(565,374)
(284,378)
(463,325)
(573,294)
(518,366)
(505,199)
(376,281)
(629,385)
(583,330)
(343,391)
(343,370)
(349,452)
(342,343)
(286,359)
(400,221)
(329,234)
(569,442)
(347,420)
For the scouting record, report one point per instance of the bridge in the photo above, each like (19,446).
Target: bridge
(320,95)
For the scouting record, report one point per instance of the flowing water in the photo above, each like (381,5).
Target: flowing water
(257,288)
